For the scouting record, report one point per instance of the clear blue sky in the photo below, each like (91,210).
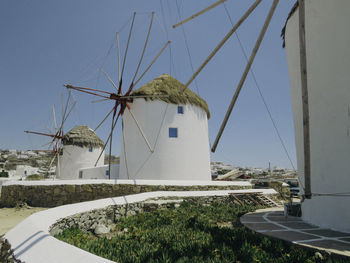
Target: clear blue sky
(45,44)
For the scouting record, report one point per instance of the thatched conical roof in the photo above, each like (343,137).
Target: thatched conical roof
(168,85)
(82,136)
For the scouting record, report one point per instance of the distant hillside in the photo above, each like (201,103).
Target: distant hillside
(9,159)
(114,159)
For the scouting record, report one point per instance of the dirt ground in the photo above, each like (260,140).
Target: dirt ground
(9,217)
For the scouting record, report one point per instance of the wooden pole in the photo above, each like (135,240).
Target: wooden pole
(222,42)
(109,78)
(199,13)
(245,73)
(110,149)
(124,150)
(153,61)
(118,49)
(141,131)
(305,100)
(143,53)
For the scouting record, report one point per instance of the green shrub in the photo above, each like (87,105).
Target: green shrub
(3,173)
(34,177)
(190,233)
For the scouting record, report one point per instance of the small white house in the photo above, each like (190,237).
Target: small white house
(328,77)
(165,137)
(100,172)
(81,149)
(25,170)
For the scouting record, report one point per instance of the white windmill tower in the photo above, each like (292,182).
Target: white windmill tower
(318,62)
(56,136)
(122,102)
(165,138)
(317,47)
(80,149)
(165,129)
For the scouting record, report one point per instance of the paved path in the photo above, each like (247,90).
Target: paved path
(295,230)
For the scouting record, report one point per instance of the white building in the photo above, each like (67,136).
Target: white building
(99,172)
(165,138)
(25,170)
(328,77)
(81,149)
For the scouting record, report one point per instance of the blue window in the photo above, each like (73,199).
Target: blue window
(180,109)
(107,172)
(172,132)
(90,149)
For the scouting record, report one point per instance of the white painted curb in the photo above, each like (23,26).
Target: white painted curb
(32,242)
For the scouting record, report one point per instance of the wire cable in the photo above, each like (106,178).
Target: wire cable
(187,46)
(171,63)
(260,92)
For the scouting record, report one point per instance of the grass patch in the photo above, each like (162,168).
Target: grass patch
(34,177)
(190,233)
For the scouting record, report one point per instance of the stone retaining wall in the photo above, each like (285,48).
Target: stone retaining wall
(6,253)
(56,195)
(101,221)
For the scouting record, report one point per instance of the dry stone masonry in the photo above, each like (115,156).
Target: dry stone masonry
(6,253)
(56,195)
(101,221)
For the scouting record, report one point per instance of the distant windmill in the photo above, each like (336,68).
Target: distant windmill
(121,101)
(56,138)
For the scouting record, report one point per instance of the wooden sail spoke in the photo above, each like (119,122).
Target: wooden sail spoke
(54,117)
(245,73)
(45,134)
(71,109)
(118,50)
(90,91)
(97,101)
(199,13)
(126,51)
(141,131)
(110,134)
(153,61)
(223,41)
(108,114)
(109,78)
(143,53)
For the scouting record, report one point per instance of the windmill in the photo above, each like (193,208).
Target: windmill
(122,100)
(57,136)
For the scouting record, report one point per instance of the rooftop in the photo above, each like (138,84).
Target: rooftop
(82,136)
(177,94)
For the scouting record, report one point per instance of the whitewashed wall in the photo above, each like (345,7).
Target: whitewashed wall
(20,170)
(75,158)
(99,172)
(328,66)
(183,158)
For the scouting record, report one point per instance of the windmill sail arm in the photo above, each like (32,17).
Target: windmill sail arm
(45,134)
(143,53)
(141,131)
(90,91)
(223,41)
(245,73)
(199,13)
(153,61)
